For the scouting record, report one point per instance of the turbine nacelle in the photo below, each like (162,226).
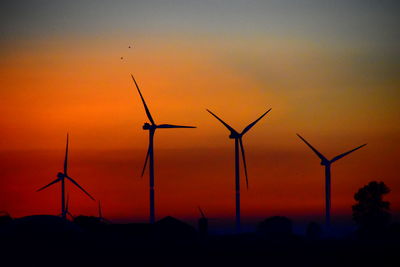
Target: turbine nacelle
(325,163)
(60,175)
(235,135)
(148,126)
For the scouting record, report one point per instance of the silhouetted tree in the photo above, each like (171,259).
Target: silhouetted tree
(371,213)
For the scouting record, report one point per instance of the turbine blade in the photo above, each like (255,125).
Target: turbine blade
(346,153)
(244,162)
(55,181)
(245,130)
(80,187)
(66,156)
(145,162)
(313,149)
(144,102)
(173,126)
(224,123)
(202,213)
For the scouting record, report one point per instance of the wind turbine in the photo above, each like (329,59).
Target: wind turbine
(327,163)
(67,208)
(151,127)
(203,216)
(238,141)
(61,176)
(203,223)
(101,215)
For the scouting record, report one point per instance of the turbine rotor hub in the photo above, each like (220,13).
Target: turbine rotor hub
(148,126)
(234,135)
(324,163)
(60,175)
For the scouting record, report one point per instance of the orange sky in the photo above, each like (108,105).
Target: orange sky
(337,96)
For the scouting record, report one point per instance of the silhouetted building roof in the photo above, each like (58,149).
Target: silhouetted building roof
(5,218)
(41,224)
(137,230)
(174,230)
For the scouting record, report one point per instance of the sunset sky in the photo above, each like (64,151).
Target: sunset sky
(328,69)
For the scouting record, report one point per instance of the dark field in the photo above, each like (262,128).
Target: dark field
(50,241)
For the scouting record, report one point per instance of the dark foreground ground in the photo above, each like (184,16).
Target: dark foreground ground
(140,245)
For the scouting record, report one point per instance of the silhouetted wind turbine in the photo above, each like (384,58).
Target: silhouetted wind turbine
(151,127)
(327,163)
(61,178)
(238,141)
(202,213)
(203,223)
(101,215)
(67,208)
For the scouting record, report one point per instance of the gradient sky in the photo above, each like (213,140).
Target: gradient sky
(328,69)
